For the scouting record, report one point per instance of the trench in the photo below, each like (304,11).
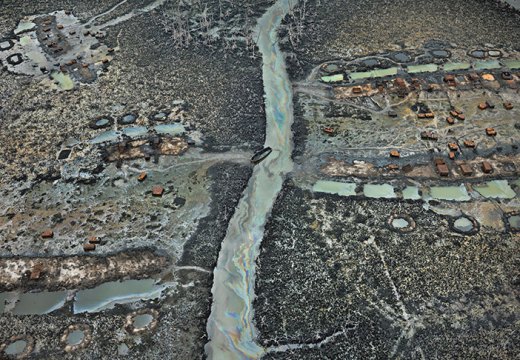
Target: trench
(230,326)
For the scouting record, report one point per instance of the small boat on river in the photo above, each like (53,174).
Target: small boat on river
(261,155)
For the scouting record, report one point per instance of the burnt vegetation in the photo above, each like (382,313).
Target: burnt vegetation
(214,24)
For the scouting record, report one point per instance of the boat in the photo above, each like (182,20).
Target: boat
(261,155)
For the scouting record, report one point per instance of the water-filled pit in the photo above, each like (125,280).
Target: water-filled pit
(440,54)
(108,294)
(498,189)
(16,347)
(128,119)
(514,222)
(400,223)
(479,54)
(464,225)
(101,123)
(379,191)
(142,321)
(334,187)
(39,303)
(75,337)
(402,57)
(450,193)
(411,193)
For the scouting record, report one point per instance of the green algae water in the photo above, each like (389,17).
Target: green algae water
(457,66)
(411,193)
(450,193)
(463,224)
(497,189)
(230,327)
(374,73)
(379,191)
(64,80)
(415,69)
(334,187)
(400,223)
(106,295)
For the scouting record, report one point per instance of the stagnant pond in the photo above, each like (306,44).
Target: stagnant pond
(101,297)
(230,326)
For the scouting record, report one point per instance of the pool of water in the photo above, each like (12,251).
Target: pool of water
(414,69)
(456,66)
(128,119)
(332,78)
(111,135)
(411,193)
(331,68)
(25,40)
(142,321)
(514,222)
(334,187)
(440,54)
(134,132)
(64,80)
(512,64)
(400,223)
(487,65)
(161,116)
(479,54)
(379,191)
(39,303)
(75,337)
(171,129)
(374,73)
(463,224)
(15,348)
(497,189)
(450,193)
(123,349)
(24,26)
(370,62)
(106,295)
(402,57)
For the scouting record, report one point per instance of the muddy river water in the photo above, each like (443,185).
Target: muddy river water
(230,326)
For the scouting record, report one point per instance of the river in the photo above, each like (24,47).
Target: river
(230,327)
